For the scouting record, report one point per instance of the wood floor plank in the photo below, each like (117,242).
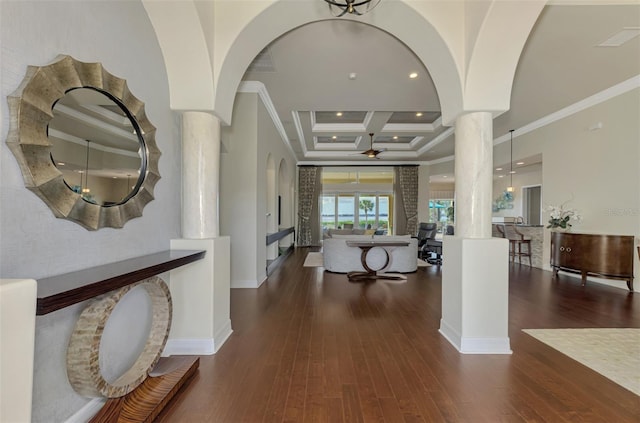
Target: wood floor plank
(390,410)
(352,411)
(310,346)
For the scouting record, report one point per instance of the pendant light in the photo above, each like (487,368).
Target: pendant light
(85,189)
(511,172)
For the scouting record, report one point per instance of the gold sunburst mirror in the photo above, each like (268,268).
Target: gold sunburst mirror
(83,143)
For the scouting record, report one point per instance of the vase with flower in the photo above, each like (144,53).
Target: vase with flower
(560,217)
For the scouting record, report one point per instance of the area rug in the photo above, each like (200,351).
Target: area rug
(314,259)
(614,353)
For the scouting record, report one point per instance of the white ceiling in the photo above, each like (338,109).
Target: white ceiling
(307,70)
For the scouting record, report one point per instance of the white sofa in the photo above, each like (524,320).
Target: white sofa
(340,258)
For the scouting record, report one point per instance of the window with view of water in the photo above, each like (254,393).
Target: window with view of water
(357,198)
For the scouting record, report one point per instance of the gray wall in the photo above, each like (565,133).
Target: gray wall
(35,244)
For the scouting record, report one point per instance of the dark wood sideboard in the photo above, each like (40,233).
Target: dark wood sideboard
(605,256)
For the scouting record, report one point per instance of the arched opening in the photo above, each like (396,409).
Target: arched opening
(272,201)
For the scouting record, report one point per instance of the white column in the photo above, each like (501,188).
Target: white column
(201,290)
(474,174)
(475,270)
(200,175)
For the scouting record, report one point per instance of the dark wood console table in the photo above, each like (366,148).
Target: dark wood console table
(61,291)
(144,403)
(372,274)
(606,256)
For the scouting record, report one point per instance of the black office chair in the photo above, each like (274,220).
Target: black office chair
(433,250)
(426,231)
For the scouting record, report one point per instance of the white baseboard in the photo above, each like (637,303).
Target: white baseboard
(264,278)
(202,346)
(474,345)
(450,334)
(180,346)
(485,346)
(247,283)
(87,412)
(222,335)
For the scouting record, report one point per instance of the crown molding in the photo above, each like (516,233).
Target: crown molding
(259,88)
(298,125)
(600,97)
(398,128)
(437,140)
(440,160)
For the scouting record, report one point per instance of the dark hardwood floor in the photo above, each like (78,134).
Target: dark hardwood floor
(309,346)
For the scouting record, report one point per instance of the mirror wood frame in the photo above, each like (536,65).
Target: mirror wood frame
(31,110)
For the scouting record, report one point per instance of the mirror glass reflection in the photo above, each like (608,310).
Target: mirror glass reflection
(97,146)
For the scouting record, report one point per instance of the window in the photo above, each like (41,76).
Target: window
(441,210)
(374,211)
(358,197)
(346,209)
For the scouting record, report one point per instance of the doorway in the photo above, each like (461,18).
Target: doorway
(531,204)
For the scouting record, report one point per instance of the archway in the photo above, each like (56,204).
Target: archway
(271,217)
(456,41)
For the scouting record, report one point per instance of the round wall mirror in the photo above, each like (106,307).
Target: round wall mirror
(97,146)
(83,143)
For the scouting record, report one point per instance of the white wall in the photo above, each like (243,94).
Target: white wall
(238,190)
(249,141)
(34,243)
(270,144)
(596,172)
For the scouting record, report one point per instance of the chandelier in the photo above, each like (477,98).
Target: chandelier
(340,8)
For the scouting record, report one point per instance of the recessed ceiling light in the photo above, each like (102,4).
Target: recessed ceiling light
(413,75)
(500,176)
(419,114)
(339,114)
(395,137)
(60,164)
(498,168)
(620,37)
(520,163)
(513,171)
(334,137)
(353,75)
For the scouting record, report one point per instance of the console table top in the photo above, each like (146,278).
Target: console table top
(61,291)
(377,243)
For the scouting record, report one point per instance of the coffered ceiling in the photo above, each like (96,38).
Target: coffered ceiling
(333,82)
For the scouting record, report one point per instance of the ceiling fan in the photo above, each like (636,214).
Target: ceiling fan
(371,152)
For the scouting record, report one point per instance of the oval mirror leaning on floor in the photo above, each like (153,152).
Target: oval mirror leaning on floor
(83,143)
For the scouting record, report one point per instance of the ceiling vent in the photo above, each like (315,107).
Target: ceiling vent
(262,62)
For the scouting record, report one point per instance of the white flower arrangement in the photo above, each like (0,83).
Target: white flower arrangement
(559,216)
